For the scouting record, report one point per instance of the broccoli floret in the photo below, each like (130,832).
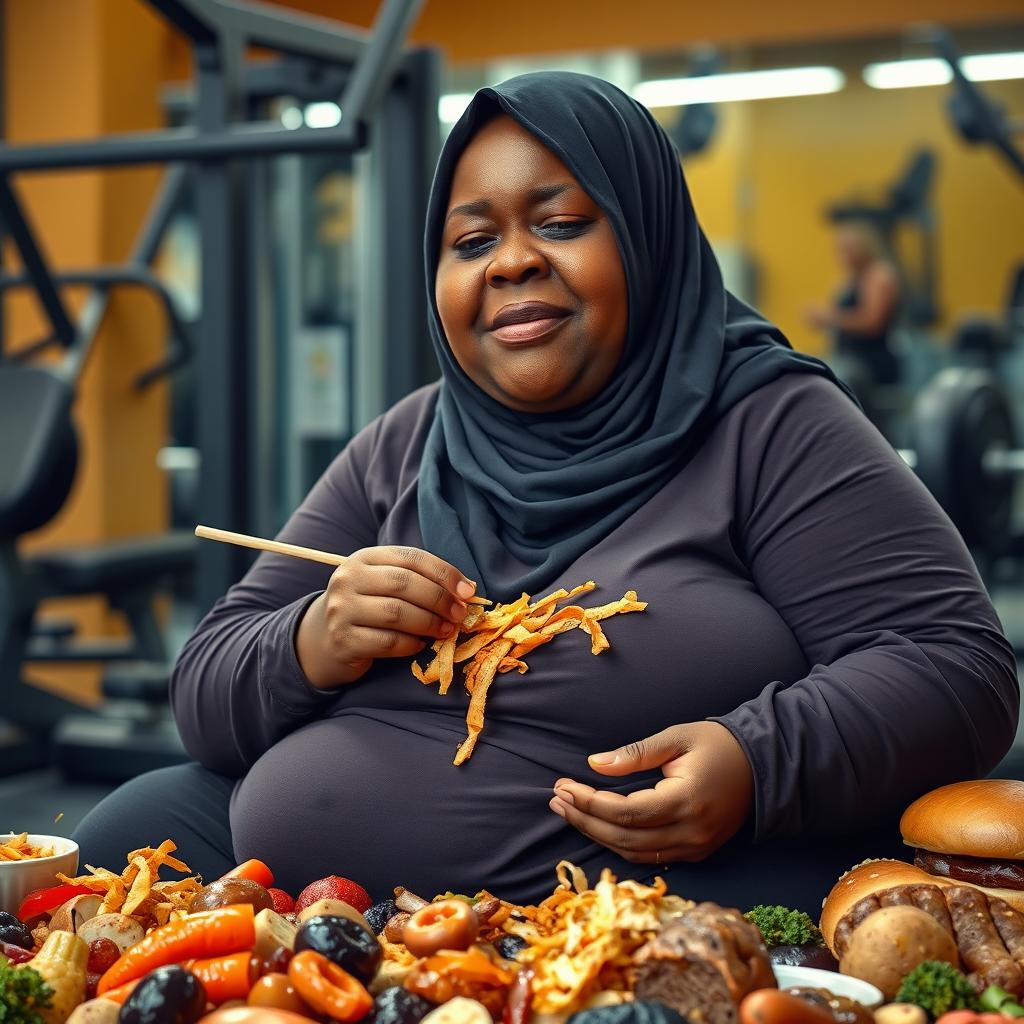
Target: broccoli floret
(23,993)
(780,926)
(937,987)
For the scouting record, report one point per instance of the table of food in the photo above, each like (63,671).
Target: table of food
(938,937)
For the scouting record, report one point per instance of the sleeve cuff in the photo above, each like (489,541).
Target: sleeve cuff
(281,675)
(749,726)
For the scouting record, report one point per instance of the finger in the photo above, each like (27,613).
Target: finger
(396,581)
(424,564)
(370,642)
(667,803)
(624,840)
(390,613)
(643,755)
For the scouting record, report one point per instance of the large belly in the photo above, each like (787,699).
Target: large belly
(374,796)
(371,793)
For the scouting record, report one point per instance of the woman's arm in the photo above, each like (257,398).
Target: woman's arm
(912,683)
(237,687)
(878,296)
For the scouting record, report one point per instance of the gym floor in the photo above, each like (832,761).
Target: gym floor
(32,801)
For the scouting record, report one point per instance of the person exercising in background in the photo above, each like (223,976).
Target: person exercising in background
(866,309)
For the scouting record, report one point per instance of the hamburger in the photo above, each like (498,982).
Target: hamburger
(973,833)
(866,879)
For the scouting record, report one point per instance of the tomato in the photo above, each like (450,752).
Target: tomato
(449,924)
(278,993)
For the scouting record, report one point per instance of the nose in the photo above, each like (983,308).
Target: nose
(515,260)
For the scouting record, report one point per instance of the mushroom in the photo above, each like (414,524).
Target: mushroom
(122,930)
(68,916)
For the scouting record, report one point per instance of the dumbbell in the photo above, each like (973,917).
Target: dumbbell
(966,453)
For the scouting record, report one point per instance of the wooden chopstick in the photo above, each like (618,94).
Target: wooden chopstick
(278,548)
(243,540)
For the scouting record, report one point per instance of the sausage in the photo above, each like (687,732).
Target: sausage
(770,1006)
(929,898)
(853,917)
(980,946)
(1010,925)
(899,896)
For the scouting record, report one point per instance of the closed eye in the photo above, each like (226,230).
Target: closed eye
(467,248)
(564,228)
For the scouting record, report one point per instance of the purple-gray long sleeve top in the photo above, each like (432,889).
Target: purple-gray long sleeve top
(804,590)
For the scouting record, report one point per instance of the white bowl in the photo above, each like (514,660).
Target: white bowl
(19,877)
(838,984)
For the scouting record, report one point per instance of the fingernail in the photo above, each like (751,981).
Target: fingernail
(459,610)
(465,589)
(566,796)
(447,629)
(557,808)
(602,759)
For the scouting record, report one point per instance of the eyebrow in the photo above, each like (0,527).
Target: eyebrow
(541,194)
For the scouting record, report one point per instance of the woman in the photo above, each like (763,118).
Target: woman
(866,308)
(817,649)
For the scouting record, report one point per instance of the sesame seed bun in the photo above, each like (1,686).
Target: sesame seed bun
(869,877)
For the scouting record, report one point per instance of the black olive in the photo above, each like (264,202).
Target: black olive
(14,932)
(168,995)
(629,1013)
(379,914)
(397,1006)
(509,946)
(803,956)
(343,942)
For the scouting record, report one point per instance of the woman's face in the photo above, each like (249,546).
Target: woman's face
(530,285)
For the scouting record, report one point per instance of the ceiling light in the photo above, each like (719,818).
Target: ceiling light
(323,115)
(739,85)
(909,74)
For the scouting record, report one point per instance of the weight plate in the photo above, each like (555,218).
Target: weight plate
(960,416)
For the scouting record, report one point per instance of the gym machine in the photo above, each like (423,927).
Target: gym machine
(694,128)
(906,205)
(389,102)
(962,429)
(977,118)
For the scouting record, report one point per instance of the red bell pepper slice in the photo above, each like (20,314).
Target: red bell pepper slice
(42,901)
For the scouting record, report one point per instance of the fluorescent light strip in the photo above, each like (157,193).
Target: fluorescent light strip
(739,85)
(910,74)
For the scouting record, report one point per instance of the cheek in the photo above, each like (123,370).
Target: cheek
(601,282)
(457,294)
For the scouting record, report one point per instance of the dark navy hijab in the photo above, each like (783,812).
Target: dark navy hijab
(512,499)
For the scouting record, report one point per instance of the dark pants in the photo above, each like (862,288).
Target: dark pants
(186,803)
(189,804)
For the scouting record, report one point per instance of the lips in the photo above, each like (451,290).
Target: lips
(523,322)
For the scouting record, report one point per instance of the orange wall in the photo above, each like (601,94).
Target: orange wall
(805,153)
(471,32)
(774,165)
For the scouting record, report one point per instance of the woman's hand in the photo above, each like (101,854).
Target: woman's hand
(380,603)
(820,317)
(706,795)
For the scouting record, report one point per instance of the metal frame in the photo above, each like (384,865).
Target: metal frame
(989,120)
(220,32)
